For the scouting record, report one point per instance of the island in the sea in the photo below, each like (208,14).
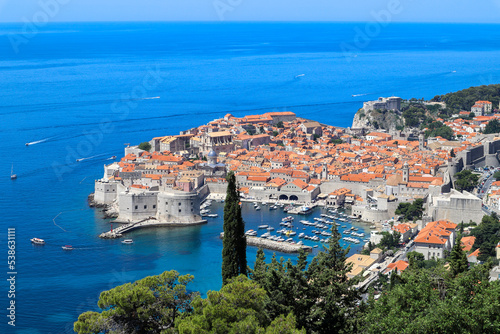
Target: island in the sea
(278,157)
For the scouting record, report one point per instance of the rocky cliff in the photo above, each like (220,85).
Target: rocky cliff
(377,119)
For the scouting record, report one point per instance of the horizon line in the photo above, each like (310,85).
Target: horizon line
(256,21)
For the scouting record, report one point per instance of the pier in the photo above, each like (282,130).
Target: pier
(119,231)
(283,247)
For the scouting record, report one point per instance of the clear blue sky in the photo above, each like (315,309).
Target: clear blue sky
(479,11)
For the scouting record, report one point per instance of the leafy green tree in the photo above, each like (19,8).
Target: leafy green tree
(411,211)
(487,237)
(284,325)
(320,296)
(146,146)
(452,153)
(336,141)
(390,240)
(286,285)
(150,305)
(239,307)
(275,133)
(493,126)
(496,175)
(335,309)
(415,260)
(234,244)
(466,180)
(439,129)
(432,301)
(458,258)
(280,124)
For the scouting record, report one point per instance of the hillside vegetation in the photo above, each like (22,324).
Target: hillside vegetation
(465,99)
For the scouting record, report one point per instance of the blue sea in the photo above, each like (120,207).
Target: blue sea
(82,91)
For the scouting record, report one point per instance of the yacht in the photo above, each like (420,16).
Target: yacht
(263,226)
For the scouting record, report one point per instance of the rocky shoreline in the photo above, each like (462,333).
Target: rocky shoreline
(106,209)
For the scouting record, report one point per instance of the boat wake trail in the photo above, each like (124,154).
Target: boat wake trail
(356,95)
(40,141)
(92,157)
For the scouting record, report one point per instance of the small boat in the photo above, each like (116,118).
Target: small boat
(27,144)
(251,233)
(113,157)
(67,247)
(38,241)
(12,175)
(274,207)
(270,228)
(263,226)
(78,160)
(127,241)
(213,215)
(257,208)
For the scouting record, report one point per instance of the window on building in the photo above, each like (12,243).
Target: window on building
(166,203)
(136,207)
(154,206)
(180,210)
(179,203)
(145,206)
(192,209)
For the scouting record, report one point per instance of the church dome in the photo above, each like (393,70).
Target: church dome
(212,154)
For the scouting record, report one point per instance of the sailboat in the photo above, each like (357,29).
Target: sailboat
(12,175)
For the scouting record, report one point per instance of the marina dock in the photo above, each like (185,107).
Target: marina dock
(283,247)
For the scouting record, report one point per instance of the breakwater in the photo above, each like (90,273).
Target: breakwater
(283,247)
(119,231)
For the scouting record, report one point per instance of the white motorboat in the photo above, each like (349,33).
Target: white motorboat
(38,241)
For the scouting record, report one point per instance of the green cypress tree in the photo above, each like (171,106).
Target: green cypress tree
(234,244)
(458,258)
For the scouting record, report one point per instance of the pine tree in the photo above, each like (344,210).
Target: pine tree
(336,299)
(458,258)
(234,258)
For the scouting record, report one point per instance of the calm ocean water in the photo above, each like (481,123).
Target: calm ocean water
(83,90)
